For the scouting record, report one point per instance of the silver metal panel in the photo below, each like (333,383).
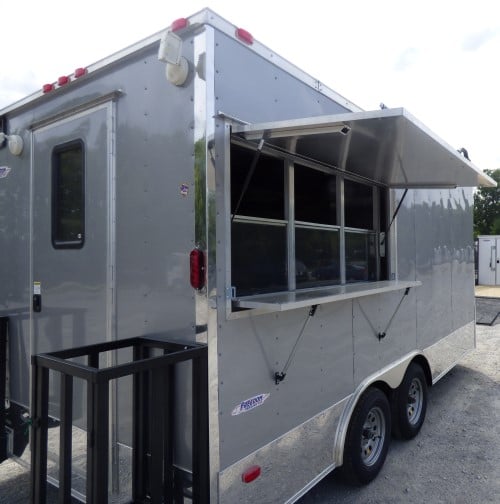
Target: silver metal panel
(460,207)
(259,90)
(155,199)
(387,146)
(311,444)
(14,266)
(447,351)
(254,348)
(290,300)
(433,256)
(372,317)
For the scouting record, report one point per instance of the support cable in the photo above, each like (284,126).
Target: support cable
(382,334)
(394,216)
(280,376)
(249,176)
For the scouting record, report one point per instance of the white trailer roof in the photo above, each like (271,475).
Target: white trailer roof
(389,147)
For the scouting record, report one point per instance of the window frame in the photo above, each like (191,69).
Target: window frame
(57,243)
(290,161)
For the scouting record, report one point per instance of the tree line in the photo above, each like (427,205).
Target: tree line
(487,207)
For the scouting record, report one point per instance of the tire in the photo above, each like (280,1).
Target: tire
(368,438)
(409,403)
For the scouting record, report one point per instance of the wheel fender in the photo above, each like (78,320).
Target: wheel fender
(392,375)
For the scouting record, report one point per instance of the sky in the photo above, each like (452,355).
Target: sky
(438,59)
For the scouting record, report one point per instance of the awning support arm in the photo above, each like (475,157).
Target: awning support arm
(249,176)
(382,334)
(280,376)
(394,215)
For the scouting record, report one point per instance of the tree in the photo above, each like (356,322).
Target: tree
(487,207)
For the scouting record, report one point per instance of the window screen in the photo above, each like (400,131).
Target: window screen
(68,195)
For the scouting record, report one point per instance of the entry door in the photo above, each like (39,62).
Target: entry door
(488,261)
(72,240)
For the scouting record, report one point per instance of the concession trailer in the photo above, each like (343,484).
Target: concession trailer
(220,279)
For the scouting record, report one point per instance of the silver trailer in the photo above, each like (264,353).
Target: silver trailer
(199,188)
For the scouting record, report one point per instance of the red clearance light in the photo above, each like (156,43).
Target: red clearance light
(179,24)
(63,80)
(244,36)
(80,72)
(47,88)
(251,474)
(197,269)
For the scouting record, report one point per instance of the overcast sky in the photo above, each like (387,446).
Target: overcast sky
(439,59)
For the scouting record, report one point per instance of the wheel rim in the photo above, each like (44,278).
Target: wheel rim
(415,401)
(373,436)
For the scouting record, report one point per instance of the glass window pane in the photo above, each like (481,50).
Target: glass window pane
(360,257)
(68,183)
(265,194)
(258,258)
(317,257)
(315,196)
(358,204)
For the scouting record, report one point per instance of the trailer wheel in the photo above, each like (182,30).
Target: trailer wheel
(368,438)
(410,403)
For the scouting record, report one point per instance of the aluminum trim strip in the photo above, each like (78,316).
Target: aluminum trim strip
(90,104)
(283,301)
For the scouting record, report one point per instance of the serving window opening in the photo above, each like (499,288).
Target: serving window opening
(298,226)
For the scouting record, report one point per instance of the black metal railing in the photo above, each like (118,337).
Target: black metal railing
(153,473)
(4,325)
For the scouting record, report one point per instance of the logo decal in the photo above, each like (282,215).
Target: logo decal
(250,404)
(4,171)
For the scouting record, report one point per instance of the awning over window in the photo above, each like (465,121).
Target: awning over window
(389,147)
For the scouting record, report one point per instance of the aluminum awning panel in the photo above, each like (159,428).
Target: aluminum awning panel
(389,147)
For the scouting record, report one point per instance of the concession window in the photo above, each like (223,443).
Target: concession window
(385,148)
(388,147)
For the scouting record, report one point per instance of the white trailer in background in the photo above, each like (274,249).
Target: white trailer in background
(489,260)
(321,254)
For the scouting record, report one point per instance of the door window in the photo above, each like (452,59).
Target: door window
(68,195)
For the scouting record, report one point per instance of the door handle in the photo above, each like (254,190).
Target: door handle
(37,303)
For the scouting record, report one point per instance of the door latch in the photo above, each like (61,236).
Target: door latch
(37,303)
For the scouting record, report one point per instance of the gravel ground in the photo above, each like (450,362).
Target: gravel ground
(454,459)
